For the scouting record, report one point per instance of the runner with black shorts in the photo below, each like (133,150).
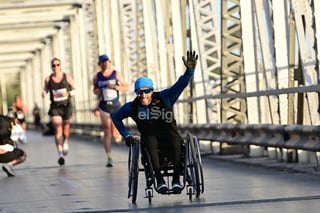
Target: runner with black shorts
(60,86)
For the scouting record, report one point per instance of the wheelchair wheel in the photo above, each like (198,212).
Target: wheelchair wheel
(133,163)
(195,164)
(129,172)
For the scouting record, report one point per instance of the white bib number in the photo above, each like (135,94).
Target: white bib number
(58,95)
(109,94)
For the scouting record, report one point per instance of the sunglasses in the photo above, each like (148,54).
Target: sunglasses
(146,91)
(55,65)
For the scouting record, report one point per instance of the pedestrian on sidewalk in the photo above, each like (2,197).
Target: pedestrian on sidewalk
(60,86)
(10,154)
(107,83)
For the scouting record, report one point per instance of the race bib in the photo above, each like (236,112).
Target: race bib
(58,95)
(109,94)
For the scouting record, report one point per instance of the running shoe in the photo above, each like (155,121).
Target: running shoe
(61,161)
(162,187)
(7,168)
(177,187)
(110,163)
(65,149)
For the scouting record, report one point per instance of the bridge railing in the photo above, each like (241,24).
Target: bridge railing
(265,135)
(303,140)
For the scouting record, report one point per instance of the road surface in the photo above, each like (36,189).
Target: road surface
(84,184)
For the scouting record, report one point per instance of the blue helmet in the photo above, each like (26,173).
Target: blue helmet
(143,82)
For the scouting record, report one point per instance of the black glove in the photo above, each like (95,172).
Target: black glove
(129,140)
(191,60)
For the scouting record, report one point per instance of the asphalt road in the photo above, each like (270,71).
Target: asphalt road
(84,184)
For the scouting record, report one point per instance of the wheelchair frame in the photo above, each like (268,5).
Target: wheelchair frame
(191,169)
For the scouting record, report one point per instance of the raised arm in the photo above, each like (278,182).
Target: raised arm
(171,95)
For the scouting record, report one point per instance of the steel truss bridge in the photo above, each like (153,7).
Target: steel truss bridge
(259,59)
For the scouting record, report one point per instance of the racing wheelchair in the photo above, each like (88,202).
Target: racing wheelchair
(191,168)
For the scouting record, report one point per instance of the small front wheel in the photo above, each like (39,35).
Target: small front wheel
(149,196)
(190,193)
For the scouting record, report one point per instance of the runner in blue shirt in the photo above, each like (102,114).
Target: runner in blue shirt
(153,114)
(107,83)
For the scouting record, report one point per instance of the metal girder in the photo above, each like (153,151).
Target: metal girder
(259,60)
(208,42)
(140,39)
(34,31)
(164,31)
(128,22)
(24,22)
(151,45)
(305,29)
(38,17)
(267,65)
(306,39)
(232,74)
(87,58)
(148,38)
(34,5)
(316,18)
(281,44)
(250,61)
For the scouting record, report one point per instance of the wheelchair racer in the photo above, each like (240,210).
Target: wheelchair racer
(153,114)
